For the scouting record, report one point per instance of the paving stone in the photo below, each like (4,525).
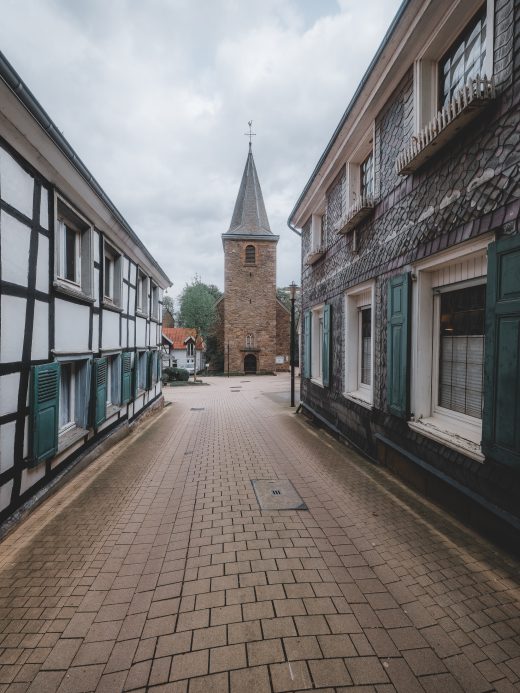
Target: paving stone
(178,582)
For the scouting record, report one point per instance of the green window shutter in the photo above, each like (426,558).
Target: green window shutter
(149,369)
(126,377)
(327,325)
(159,366)
(99,391)
(44,411)
(501,418)
(307,344)
(398,345)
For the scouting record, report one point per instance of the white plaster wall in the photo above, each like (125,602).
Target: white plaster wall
(95,333)
(71,326)
(13,328)
(31,476)
(131,336)
(132,302)
(133,273)
(140,332)
(123,332)
(110,329)
(96,287)
(16,185)
(44,209)
(7,432)
(125,297)
(40,339)
(96,245)
(9,393)
(16,238)
(5,494)
(42,264)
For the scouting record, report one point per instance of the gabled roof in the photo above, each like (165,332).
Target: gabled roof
(179,336)
(249,216)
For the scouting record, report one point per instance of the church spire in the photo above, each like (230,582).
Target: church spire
(249,215)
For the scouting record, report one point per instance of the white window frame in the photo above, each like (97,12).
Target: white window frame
(442,35)
(141,370)
(317,344)
(356,299)
(113,288)
(462,266)
(353,170)
(317,232)
(142,292)
(79,400)
(68,217)
(155,301)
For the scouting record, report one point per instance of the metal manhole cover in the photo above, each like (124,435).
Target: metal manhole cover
(197,409)
(277,494)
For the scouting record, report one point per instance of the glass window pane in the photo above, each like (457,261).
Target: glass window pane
(462,350)
(70,254)
(366,346)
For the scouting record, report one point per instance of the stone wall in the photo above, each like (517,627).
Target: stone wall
(250,303)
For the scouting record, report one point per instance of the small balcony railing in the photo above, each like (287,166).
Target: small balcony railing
(314,255)
(360,210)
(463,108)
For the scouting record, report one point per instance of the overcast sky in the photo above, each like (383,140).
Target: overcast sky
(155,96)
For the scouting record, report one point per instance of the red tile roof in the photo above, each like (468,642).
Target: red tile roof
(179,335)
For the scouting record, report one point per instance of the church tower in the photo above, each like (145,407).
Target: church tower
(250,305)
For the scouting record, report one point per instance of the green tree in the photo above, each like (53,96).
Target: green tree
(197,305)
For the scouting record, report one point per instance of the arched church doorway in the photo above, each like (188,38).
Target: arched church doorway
(250,363)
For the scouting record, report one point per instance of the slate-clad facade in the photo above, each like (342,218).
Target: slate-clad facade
(80,304)
(411,260)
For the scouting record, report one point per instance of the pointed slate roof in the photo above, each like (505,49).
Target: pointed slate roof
(249,216)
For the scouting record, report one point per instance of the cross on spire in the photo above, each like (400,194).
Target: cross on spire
(250,134)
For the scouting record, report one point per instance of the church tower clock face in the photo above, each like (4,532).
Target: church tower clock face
(249,307)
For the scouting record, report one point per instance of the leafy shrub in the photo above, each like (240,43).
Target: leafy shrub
(176,373)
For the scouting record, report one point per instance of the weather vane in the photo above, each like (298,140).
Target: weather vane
(250,134)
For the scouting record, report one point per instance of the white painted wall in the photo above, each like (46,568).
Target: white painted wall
(40,336)
(140,332)
(16,238)
(71,326)
(110,334)
(13,328)
(16,185)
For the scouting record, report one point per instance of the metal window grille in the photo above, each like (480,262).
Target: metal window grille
(464,60)
(461,367)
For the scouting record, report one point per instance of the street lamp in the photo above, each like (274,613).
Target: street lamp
(293,288)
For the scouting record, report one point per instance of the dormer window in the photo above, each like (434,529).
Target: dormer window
(250,255)
(190,348)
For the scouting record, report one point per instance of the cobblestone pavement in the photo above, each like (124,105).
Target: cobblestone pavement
(155,569)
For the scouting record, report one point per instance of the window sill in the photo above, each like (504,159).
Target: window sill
(359,397)
(69,437)
(70,290)
(112,409)
(356,214)
(317,381)
(108,305)
(141,313)
(455,436)
(314,256)
(446,125)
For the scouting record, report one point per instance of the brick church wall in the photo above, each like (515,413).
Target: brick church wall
(250,298)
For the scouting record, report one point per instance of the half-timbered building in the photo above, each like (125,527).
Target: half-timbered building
(411,260)
(80,305)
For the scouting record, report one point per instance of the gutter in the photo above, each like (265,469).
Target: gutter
(357,93)
(293,228)
(9,75)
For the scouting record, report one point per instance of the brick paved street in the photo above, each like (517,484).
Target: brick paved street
(154,569)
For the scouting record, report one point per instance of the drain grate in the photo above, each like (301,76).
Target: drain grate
(277,494)
(198,409)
